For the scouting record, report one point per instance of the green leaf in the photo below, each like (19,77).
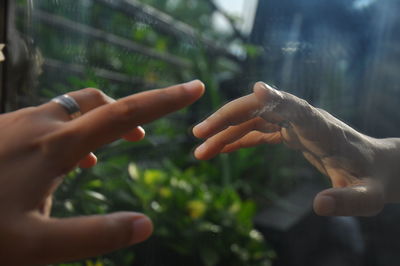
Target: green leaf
(95,195)
(209,256)
(133,171)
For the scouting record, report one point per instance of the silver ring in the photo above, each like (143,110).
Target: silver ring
(69,104)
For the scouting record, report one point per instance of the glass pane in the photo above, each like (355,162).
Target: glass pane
(250,207)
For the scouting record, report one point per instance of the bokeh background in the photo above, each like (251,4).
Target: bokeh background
(252,207)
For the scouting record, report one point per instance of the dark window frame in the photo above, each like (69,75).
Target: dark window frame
(3,38)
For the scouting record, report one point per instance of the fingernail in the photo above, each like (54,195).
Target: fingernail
(200,150)
(326,206)
(263,85)
(142,229)
(271,88)
(193,85)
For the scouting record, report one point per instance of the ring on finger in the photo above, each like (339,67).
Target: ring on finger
(70,105)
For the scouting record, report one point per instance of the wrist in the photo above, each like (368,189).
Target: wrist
(387,167)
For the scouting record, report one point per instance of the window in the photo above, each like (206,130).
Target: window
(2,40)
(252,207)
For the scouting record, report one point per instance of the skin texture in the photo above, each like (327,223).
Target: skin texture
(39,145)
(363,170)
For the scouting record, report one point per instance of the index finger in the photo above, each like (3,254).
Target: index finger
(109,122)
(233,113)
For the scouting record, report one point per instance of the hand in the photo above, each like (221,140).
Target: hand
(357,165)
(39,145)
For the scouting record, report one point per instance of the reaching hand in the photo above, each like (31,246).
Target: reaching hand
(39,145)
(362,169)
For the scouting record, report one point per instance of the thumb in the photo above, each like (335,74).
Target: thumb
(360,200)
(82,237)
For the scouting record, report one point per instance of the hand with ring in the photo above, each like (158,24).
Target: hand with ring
(39,145)
(363,170)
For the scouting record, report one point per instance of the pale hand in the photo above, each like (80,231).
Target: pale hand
(363,170)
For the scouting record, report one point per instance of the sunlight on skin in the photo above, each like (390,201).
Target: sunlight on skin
(351,160)
(49,145)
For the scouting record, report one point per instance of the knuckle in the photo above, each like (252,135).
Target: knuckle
(180,87)
(32,110)
(241,144)
(308,108)
(258,124)
(221,117)
(311,112)
(123,110)
(218,142)
(305,111)
(261,139)
(97,95)
(303,105)
(170,94)
(26,115)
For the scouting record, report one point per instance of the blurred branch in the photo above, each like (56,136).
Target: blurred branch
(25,100)
(231,21)
(102,73)
(97,34)
(168,24)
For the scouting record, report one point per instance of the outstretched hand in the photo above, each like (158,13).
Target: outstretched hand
(39,145)
(356,164)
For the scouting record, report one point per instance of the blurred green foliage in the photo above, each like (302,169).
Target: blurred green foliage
(197,220)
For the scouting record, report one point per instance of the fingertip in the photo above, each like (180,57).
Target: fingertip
(324,205)
(139,128)
(201,130)
(89,161)
(358,200)
(196,131)
(260,87)
(142,229)
(263,90)
(81,237)
(135,135)
(195,87)
(201,152)
(205,152)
